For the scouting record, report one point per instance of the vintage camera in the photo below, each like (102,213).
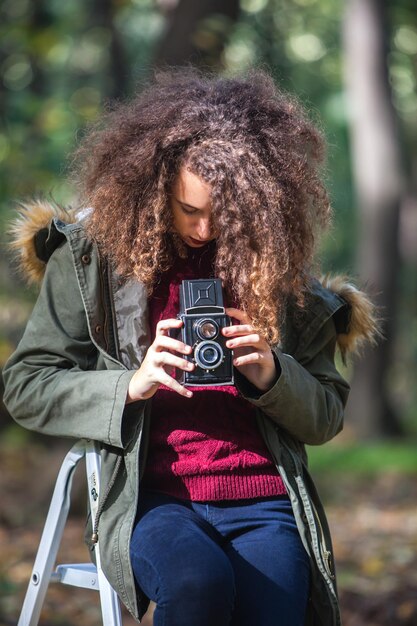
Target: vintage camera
(203,314)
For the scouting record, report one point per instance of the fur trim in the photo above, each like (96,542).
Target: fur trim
(364,324)
(32,217)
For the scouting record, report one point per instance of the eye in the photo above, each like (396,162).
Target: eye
(188,211)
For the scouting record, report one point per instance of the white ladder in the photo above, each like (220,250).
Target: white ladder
(85,575)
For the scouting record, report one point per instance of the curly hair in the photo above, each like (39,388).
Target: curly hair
(261,156)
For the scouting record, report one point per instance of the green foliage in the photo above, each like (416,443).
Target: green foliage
(61,63)
(300,42)
(56,63)
(363,459)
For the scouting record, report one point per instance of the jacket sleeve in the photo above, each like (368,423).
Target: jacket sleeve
(309,396)
(51,381)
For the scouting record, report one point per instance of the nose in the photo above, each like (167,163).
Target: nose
(204,228)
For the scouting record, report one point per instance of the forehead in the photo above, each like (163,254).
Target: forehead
(191,189)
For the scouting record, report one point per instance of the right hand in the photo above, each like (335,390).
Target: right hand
(158,364)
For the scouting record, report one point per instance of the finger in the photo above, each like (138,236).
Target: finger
(237,314)
(164,325)
(166,358)
(164,342)
(247,340)
(247,359)
(173,384)
(242,329)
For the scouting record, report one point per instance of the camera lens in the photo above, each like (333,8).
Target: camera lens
(208,355)
(206,329)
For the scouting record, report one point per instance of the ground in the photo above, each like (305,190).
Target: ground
(373,520)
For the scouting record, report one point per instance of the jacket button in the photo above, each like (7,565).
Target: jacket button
(98,329)
(86,259)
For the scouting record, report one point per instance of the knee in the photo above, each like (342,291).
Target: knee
(209,584)
(189,588)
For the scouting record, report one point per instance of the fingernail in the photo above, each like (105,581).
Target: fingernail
(189,394)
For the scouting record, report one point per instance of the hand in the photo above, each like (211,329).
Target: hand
(159,363)
(252,355)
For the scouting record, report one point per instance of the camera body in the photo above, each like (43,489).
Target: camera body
(203,315)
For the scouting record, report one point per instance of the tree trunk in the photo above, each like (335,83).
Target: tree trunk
(39,20)
(196,32)
(378,177)
(115,76)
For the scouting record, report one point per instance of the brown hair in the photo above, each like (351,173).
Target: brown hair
(256,148)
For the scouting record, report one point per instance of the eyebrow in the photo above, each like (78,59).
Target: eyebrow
(190,206)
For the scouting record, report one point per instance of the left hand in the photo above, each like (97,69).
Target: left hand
(252,355)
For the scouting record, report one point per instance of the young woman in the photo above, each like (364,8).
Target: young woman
(210,511)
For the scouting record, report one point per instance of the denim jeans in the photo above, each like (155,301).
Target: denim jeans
(234,563)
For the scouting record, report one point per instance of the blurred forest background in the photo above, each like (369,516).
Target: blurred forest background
(353,64)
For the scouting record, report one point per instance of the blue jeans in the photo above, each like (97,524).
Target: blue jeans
(238,563)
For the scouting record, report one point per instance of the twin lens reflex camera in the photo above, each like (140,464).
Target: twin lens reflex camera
(203,315)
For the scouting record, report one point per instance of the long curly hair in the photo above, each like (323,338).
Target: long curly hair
(261,156)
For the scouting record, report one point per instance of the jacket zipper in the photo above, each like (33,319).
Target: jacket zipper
(94,536)
(111,328)
(104,298)
(111,348)
(316,555)
(325,553)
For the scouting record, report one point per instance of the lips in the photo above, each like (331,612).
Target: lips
(198,242)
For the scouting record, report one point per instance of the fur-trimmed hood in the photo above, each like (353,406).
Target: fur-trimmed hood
(29,233)
(33,219)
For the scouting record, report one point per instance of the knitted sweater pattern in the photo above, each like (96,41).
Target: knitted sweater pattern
(208,447)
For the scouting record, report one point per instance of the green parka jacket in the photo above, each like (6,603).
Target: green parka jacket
(86,336)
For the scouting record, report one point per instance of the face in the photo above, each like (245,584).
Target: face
(191,208)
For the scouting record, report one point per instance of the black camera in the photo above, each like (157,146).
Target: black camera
(203,316)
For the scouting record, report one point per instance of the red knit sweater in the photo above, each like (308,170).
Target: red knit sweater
(207,447)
